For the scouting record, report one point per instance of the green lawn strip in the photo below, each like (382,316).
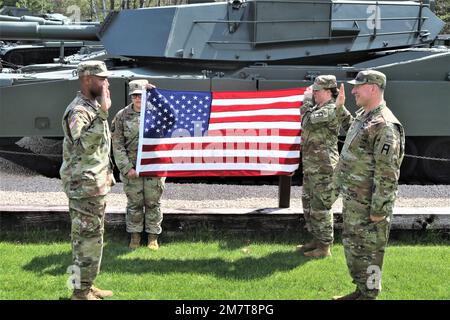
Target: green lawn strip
(211,267)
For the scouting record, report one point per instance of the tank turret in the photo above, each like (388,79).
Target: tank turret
(270,30)
(253,31)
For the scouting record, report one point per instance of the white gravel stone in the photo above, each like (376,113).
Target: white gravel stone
(23,189)
(41,145)
(9,168)
(21,186)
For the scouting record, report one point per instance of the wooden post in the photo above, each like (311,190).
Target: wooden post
(284,191)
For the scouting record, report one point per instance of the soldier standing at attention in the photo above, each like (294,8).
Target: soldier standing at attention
(367,173)
(86,174)
(142,192)
(321,122)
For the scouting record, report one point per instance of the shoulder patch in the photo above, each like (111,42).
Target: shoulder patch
(386,148)
(73,121)
(389,143)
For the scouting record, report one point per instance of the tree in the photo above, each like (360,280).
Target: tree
(443,12)
(36,6)
(10,3)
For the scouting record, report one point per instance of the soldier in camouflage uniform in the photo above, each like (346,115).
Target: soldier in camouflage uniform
(86,174)
(321,122)
(142,192)
(368,173)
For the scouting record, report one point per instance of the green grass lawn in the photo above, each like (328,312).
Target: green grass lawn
(226,266)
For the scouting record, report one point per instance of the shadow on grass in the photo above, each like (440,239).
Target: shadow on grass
(245,268)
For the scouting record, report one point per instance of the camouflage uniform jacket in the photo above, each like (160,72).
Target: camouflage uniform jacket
(369,165)
(87,167)
(125,138)
(320,130)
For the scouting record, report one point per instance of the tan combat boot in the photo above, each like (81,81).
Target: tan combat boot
(153,241)
(135,241)
(351,296)
(307,246)
(322,251)
(85,294)
(99,293)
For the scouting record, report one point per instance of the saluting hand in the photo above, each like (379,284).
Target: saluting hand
(340,101)
(149,86)
(132,174)
(308,94)
(105,103)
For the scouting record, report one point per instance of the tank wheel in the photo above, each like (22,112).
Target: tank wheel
(437,171)
(408,168)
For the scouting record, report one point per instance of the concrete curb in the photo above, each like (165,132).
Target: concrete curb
(231,219)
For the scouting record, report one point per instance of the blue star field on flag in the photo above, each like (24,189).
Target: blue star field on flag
(174,113)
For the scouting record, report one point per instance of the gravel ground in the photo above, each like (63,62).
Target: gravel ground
(20,186)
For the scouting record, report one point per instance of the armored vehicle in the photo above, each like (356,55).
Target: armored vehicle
(253,45)
(15,53)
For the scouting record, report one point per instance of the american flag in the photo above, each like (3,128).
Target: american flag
(199,133)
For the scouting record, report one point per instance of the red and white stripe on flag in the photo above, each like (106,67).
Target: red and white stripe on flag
(250,133)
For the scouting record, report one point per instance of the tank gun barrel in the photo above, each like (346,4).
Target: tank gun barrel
(35,31)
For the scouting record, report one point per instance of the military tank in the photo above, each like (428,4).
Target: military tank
(15,53)
(253,45)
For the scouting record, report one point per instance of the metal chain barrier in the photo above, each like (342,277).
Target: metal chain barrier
(417,157)
(427,158)
(60,156)
(32,154)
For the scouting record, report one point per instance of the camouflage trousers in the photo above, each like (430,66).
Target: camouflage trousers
(364,245)
(144,204)
(318,197)
(88,217)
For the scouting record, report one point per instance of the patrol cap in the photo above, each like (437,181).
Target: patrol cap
(324,82)
(93,68)
(135,86)
(370,76)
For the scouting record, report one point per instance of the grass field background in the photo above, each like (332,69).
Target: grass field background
(220,266)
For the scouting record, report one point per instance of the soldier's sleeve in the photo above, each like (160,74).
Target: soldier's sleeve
(118,142)
(306,104)
(85,133)
(388,150)
(345,117)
